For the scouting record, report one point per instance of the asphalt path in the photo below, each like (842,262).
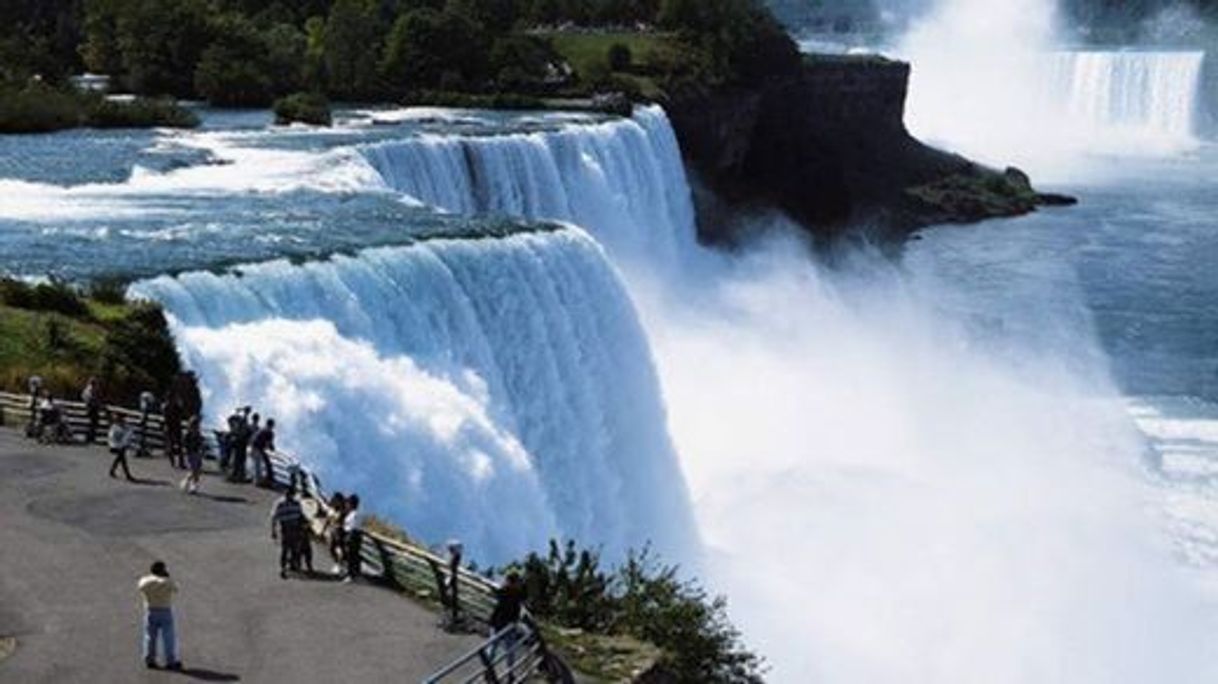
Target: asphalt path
(73,542)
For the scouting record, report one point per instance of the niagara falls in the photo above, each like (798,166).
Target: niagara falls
(670,341)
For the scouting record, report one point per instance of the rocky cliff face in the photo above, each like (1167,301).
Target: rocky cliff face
(828,146)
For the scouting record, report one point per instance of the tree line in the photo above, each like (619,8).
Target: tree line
(249,52)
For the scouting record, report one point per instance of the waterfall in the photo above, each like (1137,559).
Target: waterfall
(1153,92)
(621,179)
(500,390)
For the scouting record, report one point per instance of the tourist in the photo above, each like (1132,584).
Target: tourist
(305,545)
(455,551)
(332,530)
(509,603)
(263,443)
(35,387)
(353,537)
(226,439)
(52,427)
(239,439)
(119,441)
(157,590)
(147,404)
(193,445)
(287,526)
(171,417)
(91,397)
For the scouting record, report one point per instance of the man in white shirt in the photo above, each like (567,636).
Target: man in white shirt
(157,591)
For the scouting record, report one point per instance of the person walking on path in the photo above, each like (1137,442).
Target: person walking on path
(91,397)
(157,591)
(193,444)
(263,443)
(119,441)
(353,535)
(287,526)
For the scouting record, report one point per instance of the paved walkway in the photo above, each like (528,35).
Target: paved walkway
(73,542)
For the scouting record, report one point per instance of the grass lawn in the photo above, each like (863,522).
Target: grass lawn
(588,53)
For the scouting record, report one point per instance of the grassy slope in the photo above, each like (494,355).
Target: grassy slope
(122,344)
(28,346)
(588,53)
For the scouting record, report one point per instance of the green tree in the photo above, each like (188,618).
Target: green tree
(352,42)
(286,47)
(99,50)
(235,70)
(161,41)
(425,46)
(315,53)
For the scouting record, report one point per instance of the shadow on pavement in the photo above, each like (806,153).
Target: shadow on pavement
(221,498)
(206,675)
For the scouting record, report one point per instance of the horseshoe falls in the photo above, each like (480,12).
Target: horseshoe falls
(1147,91)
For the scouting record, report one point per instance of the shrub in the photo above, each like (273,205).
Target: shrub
(643,599)
(620,57)
(139,113)
(108,291)
(53,296)
(37,108)
(310,108)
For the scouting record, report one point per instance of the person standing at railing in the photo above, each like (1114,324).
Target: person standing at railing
(287,527)
(263,443)
(119,441)
(91,397)
(171,417)
(239,435)
(509,604)
(193,445)
(147,404)
(353,535)
(332,530)
(157,591)
(35,387)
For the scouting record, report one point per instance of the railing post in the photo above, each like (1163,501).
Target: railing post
(488,666)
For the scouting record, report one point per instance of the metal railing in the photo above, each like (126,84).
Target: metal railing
(512,655)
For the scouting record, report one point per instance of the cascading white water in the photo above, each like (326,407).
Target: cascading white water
(1155,93)
(622,180)
(497,390)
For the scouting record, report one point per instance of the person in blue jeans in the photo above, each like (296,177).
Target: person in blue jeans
(157,591)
